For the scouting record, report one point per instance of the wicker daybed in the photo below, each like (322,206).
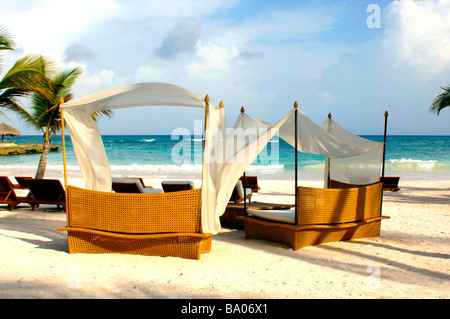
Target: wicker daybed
(160,224)
(324,215)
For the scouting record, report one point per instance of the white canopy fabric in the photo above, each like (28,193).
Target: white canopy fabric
(360,169)
(214,139)
(313,139)
(86,138)
(239,149)
(88,144)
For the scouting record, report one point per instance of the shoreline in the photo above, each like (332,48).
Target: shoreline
(410,260)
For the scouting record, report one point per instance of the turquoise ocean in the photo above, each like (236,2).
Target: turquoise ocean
(164,156)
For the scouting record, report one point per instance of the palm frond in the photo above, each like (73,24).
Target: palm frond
(8,102)
(6,41)
(46,109)
(441,101)
(65,80)
(99,114)
(29,74)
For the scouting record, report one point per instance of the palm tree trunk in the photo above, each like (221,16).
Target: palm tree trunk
(43,161)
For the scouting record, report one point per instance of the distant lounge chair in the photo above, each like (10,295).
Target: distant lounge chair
(238,193)
(324,215)
(7,194)
(390,183)
(46,191)
(22,182)
(132,185)
(251,182)
(176,186)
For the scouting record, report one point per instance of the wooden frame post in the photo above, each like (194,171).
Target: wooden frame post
(328,160)
(244,184)
(61,111)
(386,114)
(296,164)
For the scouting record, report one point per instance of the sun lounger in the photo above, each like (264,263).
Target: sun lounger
(233,210)
(176,186)
(7,194)
(251,182)
(390,183)
(132,185)
(46,191)
(238,193)
(160,224)
(324,215)
(22,182)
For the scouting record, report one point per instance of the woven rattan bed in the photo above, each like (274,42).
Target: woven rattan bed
(162,224)
(324,215)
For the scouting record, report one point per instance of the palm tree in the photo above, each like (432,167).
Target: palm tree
(46,115)
(27,75)
(441,101)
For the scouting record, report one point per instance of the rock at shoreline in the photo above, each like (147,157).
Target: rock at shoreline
(30,148)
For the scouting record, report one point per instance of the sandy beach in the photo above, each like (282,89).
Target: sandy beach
(411,259)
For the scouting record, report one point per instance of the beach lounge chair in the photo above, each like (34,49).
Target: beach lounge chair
(251,182)
(390,183)
(22,182)
(176,186)
(46,191)
(132,185)
(324,215)
(233,210)
(160,224)
(238,193)
(7,194)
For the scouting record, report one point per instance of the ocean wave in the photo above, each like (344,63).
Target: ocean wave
(148,139)
(413,163)
(157,168)
(195,139)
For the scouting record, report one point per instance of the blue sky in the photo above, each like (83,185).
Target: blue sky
(262,55)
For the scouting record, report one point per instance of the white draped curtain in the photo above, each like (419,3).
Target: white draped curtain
(360,169)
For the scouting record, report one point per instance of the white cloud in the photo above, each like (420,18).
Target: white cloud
(47,26)
(418,33)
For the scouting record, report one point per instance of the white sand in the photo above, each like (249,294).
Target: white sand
(411,259)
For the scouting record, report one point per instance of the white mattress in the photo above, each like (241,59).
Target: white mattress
(281,215)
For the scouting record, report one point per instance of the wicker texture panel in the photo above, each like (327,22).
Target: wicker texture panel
(184,245)
(134,213)
(332,206)
(325,215)
(298,237)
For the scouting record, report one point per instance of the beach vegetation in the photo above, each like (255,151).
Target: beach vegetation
(38,77)
(46,116)
(441,101)
(26,76)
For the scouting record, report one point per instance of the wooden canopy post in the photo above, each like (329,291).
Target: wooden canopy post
(245,182)
(386,114)
(206,119)
(61,102)
(296,165)
(328,160)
